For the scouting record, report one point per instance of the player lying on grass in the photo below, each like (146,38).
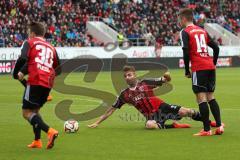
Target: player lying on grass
(140,95)
(39,60)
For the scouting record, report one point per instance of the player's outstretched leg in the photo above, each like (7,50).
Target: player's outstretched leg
(186,112)
(152,124)
(180,125)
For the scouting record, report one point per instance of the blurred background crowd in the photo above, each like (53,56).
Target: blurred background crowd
(135,19)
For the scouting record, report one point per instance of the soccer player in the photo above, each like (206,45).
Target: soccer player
(140,95)
(195,42)
(39,60)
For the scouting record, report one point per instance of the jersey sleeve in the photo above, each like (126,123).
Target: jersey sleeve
(185,47)
(211,43)
(184,39)
(153,82)
(119,101)
(21,63)
(57,64)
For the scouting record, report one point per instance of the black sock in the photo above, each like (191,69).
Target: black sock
(36,120)
(196,116)
(204,111)
(215,111)
(37,132)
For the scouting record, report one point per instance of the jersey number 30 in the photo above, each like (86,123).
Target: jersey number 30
(201,43)
(45,56)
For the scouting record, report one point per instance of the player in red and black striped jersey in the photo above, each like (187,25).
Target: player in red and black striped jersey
(140,95)
(195,42)
(40,61)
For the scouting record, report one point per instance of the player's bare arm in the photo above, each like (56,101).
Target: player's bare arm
(108,113)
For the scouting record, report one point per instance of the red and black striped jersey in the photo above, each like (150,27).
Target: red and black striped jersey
(141,97)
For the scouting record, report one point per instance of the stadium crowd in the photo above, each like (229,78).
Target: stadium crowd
(66,19)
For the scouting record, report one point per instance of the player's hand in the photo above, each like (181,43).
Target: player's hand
(20,76)
(166,77)
(94,125)
(189,75)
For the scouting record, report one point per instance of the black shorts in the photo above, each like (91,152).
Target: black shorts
(203,81)
(166,112)
(35,96)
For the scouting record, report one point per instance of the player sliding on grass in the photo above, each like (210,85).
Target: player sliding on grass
(140,95)
(39,60)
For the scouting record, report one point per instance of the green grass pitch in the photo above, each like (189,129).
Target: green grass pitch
(117,138)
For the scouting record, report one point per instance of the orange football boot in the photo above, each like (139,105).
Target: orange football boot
(214,124)
(52,135)
(204,133)
(35,144)
(178,125)
(219,130)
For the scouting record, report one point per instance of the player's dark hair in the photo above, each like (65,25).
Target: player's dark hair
(187,13)
(38,28)
(129,68)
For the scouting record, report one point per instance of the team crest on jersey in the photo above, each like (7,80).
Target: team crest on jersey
(138,97)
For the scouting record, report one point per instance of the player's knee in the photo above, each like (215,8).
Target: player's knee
(210,97)
(201,97)
(26,114)
(151,124)
(183,112)
(201,100)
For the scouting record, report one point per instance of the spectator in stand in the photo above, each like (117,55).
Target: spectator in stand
(66,19)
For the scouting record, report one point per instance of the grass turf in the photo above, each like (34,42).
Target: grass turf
(118,138)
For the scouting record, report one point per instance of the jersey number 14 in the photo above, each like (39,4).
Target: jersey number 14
(201,43)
